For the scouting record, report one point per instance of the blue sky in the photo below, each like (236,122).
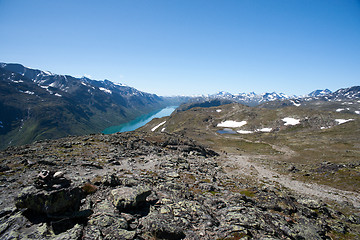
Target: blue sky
(173,47)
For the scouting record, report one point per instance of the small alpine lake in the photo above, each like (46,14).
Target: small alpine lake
(140,121)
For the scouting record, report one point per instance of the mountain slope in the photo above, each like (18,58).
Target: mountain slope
(303,137)
(38,105)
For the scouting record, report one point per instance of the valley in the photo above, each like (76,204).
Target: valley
(140,121)
(279,167)
(38,105)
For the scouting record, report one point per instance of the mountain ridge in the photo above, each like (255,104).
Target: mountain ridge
(37,104)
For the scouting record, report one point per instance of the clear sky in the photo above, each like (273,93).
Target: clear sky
(186,47)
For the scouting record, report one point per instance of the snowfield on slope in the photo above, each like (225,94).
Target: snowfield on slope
(341,121)
(291,121)
(244,132)
(105,90)
(232,124)
(157,126)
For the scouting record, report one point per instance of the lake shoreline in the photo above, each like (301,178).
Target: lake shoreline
(140,121)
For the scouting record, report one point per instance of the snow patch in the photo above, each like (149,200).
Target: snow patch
(47,73)
(264,130)
(163,129)
(218,110)
(291,121)
(340,109)
(231,124)
(58,95)
(295,104)
(341,121)
(157,126)
(120,84)
(357,112)
(28,92)
(244,132)
(20,81)
(105,90)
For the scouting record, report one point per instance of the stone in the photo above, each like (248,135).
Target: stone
(127,198)
(310,203)
(173,175)
(4,168)
(58,174)
(44,174)
(106,220)
(111,180)
(73,233)
(292,168)
(49,202)
(51,180)
(354,218)
(163,228)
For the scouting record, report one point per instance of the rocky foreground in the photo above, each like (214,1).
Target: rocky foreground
(149,186)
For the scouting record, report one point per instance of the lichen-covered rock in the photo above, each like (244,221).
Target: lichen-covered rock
(310,203)
(49,202)
(126,197)
(106,226)
(73,233)
(111,180)
(162,227)
(106,220)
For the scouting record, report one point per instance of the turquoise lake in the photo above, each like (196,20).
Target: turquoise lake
(140,121)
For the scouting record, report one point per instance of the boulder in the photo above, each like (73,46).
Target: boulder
(126,197)
(159,226)
(310,203)
(49,202)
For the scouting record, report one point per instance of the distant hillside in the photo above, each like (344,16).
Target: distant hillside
(342,100)
(301,136)
(254,99)
(250,99)
(37,105)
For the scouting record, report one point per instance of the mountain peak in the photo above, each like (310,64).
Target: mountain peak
(318,93)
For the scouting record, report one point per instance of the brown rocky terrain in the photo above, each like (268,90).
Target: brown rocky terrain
(141,185)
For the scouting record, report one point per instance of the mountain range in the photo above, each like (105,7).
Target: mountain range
(37,105)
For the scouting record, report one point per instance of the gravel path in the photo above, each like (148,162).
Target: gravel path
(244,165)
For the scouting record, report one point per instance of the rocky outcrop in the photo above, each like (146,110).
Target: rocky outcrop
(157,190)
(125,197)
(52,202)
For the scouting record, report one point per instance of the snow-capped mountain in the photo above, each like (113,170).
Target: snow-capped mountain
(251,98)
(319,93)
(274,100)
(55,83)
(346,93)
(37,104)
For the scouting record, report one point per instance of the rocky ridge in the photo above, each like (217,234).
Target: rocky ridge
(149,186)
